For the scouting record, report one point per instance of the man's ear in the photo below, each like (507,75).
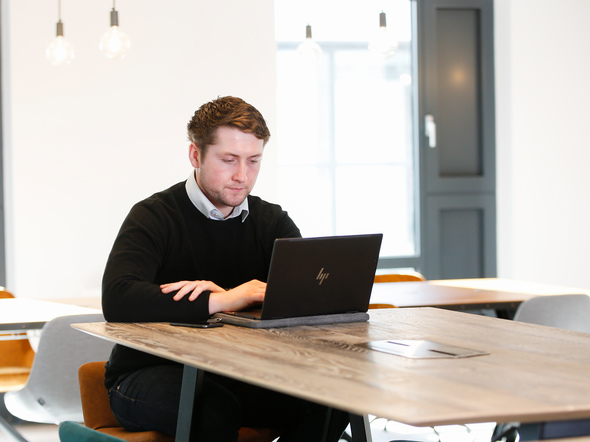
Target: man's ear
(194,155)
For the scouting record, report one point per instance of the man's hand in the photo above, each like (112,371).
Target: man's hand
(195,288)
(238,298)
(220,300)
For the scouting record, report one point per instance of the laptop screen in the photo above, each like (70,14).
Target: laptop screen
(319,276)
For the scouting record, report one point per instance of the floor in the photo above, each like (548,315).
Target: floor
(385,431)
(382,431)
(33,433)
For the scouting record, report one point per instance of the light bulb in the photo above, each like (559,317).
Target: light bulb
(383,42)
(309,48)
(60,51)
(114,43)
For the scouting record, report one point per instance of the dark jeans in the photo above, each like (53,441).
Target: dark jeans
(149,398)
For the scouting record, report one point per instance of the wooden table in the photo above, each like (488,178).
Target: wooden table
(502,295)
(511,285)
(93,302)
(532,373)
(32,314)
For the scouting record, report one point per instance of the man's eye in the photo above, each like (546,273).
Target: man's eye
(230,161)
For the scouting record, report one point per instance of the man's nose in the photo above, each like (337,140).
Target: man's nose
(241,174)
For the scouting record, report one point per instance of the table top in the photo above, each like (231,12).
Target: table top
(512,285)
(458,294)
(532,373)
(464,294)
(31,314)
(93,302)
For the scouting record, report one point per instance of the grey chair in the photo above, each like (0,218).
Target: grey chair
(570,312)
(52,392)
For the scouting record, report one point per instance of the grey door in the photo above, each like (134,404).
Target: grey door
(457,141)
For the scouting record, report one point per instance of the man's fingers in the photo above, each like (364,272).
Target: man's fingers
(197,291)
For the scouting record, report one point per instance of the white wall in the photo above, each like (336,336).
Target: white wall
(85,142)
(543,150)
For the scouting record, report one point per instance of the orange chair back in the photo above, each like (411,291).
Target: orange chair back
(396,277)
(16,357)
(98,415)
(97,410)
(400,277)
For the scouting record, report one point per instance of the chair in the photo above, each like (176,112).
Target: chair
(98,415)
(97,410)
(570,312)
(51,394)
(74,432)
(400,277)
(396,277)
(16,357)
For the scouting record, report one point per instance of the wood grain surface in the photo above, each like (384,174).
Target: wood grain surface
(532,373)
(433,294)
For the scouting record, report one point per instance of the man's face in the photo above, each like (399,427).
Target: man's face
(228,171)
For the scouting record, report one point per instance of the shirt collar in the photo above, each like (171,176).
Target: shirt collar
(207,208)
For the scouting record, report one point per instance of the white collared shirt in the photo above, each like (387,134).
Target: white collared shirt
(206,207)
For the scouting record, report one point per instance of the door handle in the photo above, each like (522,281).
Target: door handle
(430,130)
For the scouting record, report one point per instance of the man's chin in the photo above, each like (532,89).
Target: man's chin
(235,201)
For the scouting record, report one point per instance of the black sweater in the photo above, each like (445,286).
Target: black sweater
(165,238)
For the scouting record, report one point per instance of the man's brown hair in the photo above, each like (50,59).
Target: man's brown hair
(225,111)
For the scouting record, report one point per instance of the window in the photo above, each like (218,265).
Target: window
(345,133)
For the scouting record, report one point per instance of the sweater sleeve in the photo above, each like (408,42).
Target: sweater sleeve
(131,282)
(286,227)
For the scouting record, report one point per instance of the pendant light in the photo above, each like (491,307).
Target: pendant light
(309,48)
(114,43)
(60,51)
(383,42)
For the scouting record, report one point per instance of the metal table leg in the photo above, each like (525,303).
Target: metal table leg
(361,428)
(192,382)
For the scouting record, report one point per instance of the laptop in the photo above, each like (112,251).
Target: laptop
(312,281)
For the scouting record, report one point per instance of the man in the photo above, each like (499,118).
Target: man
(200,247)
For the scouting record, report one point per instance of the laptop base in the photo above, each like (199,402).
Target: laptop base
(293,322)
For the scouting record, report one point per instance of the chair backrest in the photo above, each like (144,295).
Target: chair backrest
(52,393)
(16,356)
(400,277)
(395,277)
(570,312)
(5,294)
